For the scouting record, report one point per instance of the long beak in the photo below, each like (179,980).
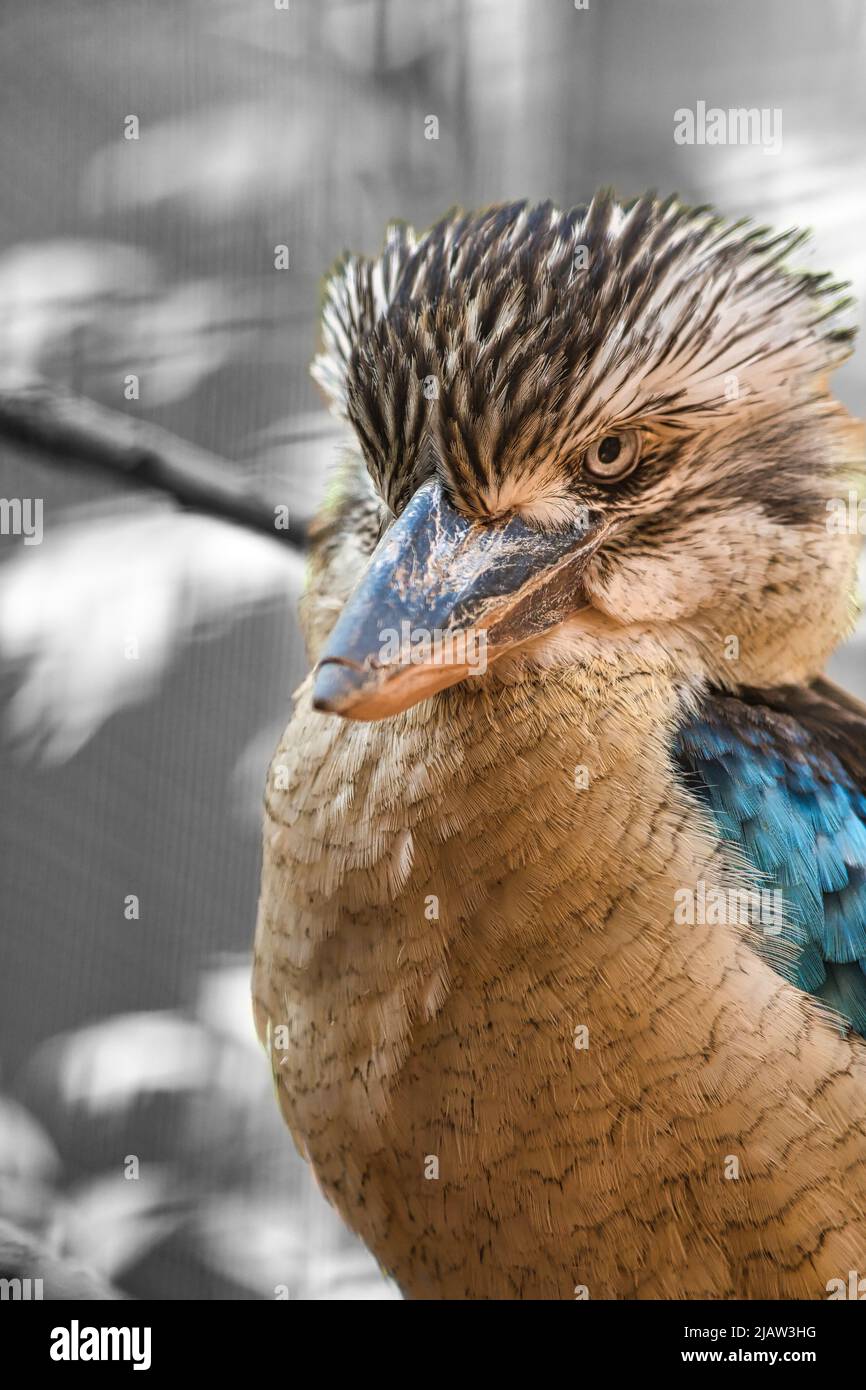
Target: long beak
(441,598)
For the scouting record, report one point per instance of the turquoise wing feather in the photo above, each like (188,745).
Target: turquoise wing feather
(783,773)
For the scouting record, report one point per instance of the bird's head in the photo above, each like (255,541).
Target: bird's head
(585,433)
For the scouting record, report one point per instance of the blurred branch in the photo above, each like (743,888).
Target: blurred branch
(145,456)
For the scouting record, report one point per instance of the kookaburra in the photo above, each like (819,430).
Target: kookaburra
(562,932)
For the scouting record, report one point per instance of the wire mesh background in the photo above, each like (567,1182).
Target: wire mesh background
(128,1038)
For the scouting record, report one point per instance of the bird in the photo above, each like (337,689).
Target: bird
(560,959)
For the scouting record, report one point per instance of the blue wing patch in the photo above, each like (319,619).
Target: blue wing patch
(784,774)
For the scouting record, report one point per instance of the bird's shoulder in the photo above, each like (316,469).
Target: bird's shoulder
(783,773)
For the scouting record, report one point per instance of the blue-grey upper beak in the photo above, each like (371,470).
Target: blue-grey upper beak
(441,597)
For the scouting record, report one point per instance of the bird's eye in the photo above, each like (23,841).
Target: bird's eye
(613,456)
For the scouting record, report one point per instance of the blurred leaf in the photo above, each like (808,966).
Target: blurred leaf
(246,780)
(263,1244)
(259,1242)
(179,338)
(110,1221)
(349,1274)
(26,1150)
(52,292)
(29,1166)
(223,1004)
(79,309)
(97,611)
(226,161)
(109,1065)
(25,1256)
(216,160)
